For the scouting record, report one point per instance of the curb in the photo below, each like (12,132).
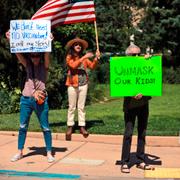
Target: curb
(153,141)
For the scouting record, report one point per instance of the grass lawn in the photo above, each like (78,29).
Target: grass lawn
(107,117)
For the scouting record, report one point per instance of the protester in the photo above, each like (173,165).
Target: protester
(34,98)
(137,106)
(77,82)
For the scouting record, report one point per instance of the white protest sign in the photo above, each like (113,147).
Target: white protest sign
(30,36)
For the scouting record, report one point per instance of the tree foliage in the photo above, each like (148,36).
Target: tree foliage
(161,26)
(114,23)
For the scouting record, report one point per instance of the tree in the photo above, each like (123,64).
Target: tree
(161,27)
(114,24)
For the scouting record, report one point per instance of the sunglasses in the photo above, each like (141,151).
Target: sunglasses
(77,44)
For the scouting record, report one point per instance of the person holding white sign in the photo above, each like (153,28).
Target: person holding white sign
(34,98)
(137,106)
(77,82)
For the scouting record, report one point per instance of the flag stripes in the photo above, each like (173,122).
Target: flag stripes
(62,12)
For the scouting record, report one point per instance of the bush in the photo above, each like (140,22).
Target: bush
(57,94)
(96,93)
(9,99)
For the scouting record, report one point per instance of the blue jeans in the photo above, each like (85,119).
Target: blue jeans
(27,105)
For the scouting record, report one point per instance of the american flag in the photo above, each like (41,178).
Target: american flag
(66,12)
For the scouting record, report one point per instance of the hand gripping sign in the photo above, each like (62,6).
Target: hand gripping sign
(131,75)
(30,36)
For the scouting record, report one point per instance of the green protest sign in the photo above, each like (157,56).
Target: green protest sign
(132,75)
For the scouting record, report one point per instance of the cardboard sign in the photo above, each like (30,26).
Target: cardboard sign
(30,36)
(132,75)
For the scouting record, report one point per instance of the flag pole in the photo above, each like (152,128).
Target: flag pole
(96,32)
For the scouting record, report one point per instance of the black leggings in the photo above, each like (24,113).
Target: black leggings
(130,116)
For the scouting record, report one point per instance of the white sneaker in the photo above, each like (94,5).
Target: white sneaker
(50,159)
(16,157)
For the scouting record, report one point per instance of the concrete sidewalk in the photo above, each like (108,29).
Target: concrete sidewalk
(96,157)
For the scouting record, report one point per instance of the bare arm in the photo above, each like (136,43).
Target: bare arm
(47,55)
(21,59)
(46,60)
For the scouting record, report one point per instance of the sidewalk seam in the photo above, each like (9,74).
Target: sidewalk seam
(65,156)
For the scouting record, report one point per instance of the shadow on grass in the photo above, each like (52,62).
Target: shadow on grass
(89,124)
(42,151)
(92,123)
(149,159)
(57,124)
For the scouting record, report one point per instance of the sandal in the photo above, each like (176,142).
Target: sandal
(125,168)
(50,159)
(16,157)
(144,166)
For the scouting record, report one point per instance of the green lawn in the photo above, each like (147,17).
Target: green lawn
(107,117)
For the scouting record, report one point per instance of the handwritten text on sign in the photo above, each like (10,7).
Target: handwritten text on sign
(30,36)
(130,76)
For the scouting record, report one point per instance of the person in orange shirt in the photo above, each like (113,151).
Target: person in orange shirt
(77,82)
